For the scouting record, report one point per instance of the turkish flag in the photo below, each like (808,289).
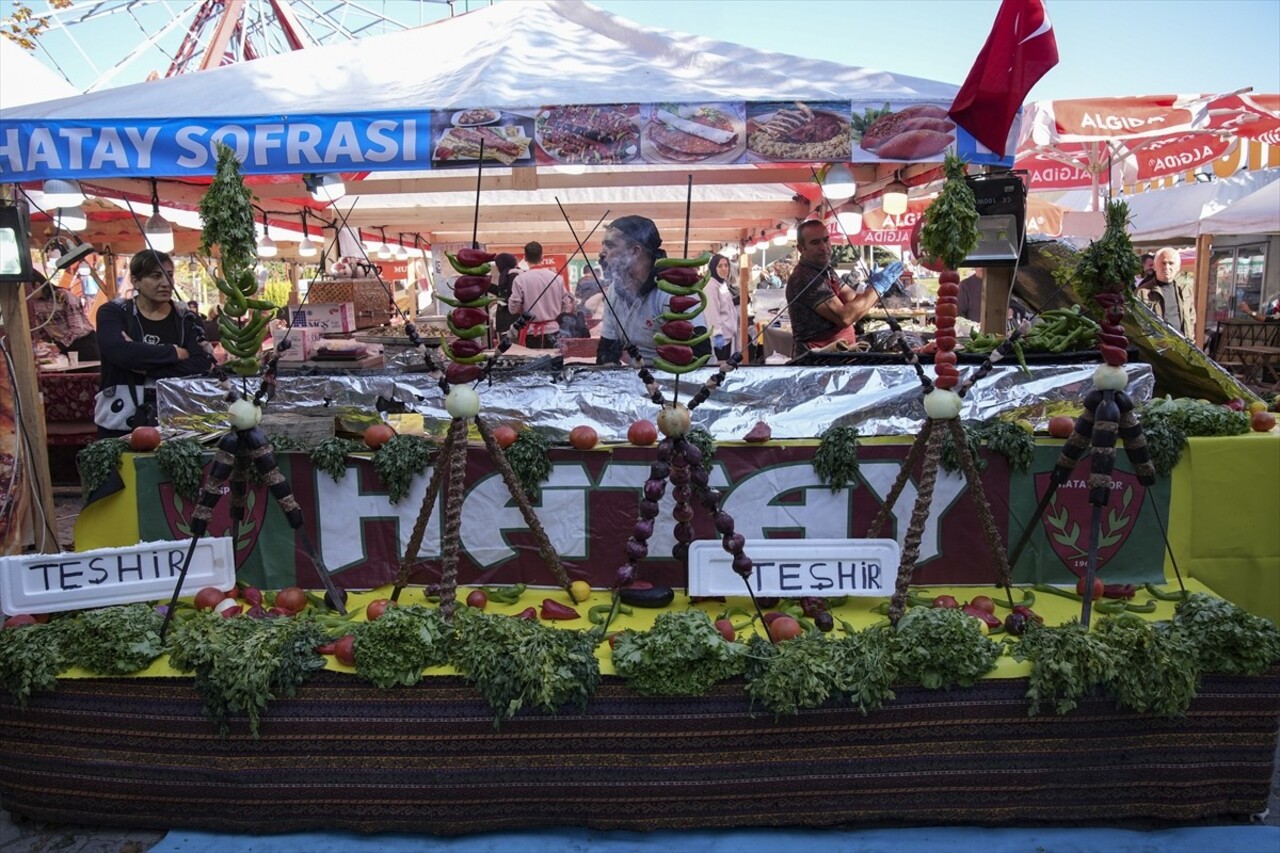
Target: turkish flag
(1020,49)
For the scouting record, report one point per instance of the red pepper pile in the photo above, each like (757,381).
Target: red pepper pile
(676,340)
(944,360)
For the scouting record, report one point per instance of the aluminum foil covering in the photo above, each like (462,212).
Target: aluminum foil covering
(796,402)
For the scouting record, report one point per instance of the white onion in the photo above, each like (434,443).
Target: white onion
(942,405)
(226,604)
(1110,378)
(243,414)
(462,402)
(674,420)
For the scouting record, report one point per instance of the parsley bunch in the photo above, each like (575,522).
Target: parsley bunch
(836,459)
(330,456)
(31,658)
(182,461)
(1227,638)
(396,647)
(516,663)
(1009,440)
(242,664)
(949,458)
(682,655)
(1067,664)
(939,647)
(97,461)
(808,671)
(1153,671)
(528,458)
(115,640)
(399,461)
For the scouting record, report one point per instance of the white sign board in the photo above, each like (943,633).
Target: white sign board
(790,568)
(48,583)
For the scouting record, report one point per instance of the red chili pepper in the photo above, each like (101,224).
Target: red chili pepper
(681,330)
(681,304)
(528,613)
(474,257)
(676,353)
(465,318)
(1118,590)
(466,348)
(683,276)
(554,610)
(470,292)
(460,374)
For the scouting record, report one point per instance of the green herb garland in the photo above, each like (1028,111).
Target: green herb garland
(31,658)
(941,647)
(115,640)
(950,230)
(811,670)
(395,648)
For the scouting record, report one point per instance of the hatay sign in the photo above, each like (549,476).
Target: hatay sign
(591,500)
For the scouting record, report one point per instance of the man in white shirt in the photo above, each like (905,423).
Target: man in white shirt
(541,294)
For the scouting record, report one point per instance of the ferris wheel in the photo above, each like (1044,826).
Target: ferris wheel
(99,44)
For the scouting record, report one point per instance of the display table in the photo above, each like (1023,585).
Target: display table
(345,755)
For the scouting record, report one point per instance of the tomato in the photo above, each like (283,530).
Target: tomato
(1061,426)
(377,608)
(944,357)
(945,310)
(642,433)
(144,439)
(983,603)
(784,628)
(505,436)
(291,598)
(947,601)
(345,650)
(378,435)
(583,438)
(1098,588)
(725,627)
(1262,421)
(19,620)
(580,591)
(478,599)
(208,598)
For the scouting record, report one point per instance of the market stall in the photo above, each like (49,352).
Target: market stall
(527,756)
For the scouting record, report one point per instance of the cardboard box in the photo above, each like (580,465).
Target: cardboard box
(302,343)
(326,316)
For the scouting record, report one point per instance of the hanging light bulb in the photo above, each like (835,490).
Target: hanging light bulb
(894,200)
(72,219)
(730,251)
(384,251)
(838,183)
(791,234)
(325,188)
(157,232)
(266,246)
(402,251)
(781,239)
(850,219)
(750,248)
(306,249)
(62,193)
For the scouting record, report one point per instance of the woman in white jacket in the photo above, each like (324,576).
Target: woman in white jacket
(720,312)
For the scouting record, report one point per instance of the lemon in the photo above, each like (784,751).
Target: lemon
(580,590)
(1256,406)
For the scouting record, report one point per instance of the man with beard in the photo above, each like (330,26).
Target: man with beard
(633,301)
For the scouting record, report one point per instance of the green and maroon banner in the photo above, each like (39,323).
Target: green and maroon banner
(589,504)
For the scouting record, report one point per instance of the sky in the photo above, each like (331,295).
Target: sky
(1106,47)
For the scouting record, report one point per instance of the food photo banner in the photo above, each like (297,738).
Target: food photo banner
(713,133)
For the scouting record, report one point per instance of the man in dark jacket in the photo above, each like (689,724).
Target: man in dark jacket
(149,337)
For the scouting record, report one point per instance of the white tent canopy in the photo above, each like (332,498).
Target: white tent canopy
(508,54)
(1257,213)
(24,80)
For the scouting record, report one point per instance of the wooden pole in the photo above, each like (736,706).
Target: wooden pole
(26,390)
(996,288)
(1204,246)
